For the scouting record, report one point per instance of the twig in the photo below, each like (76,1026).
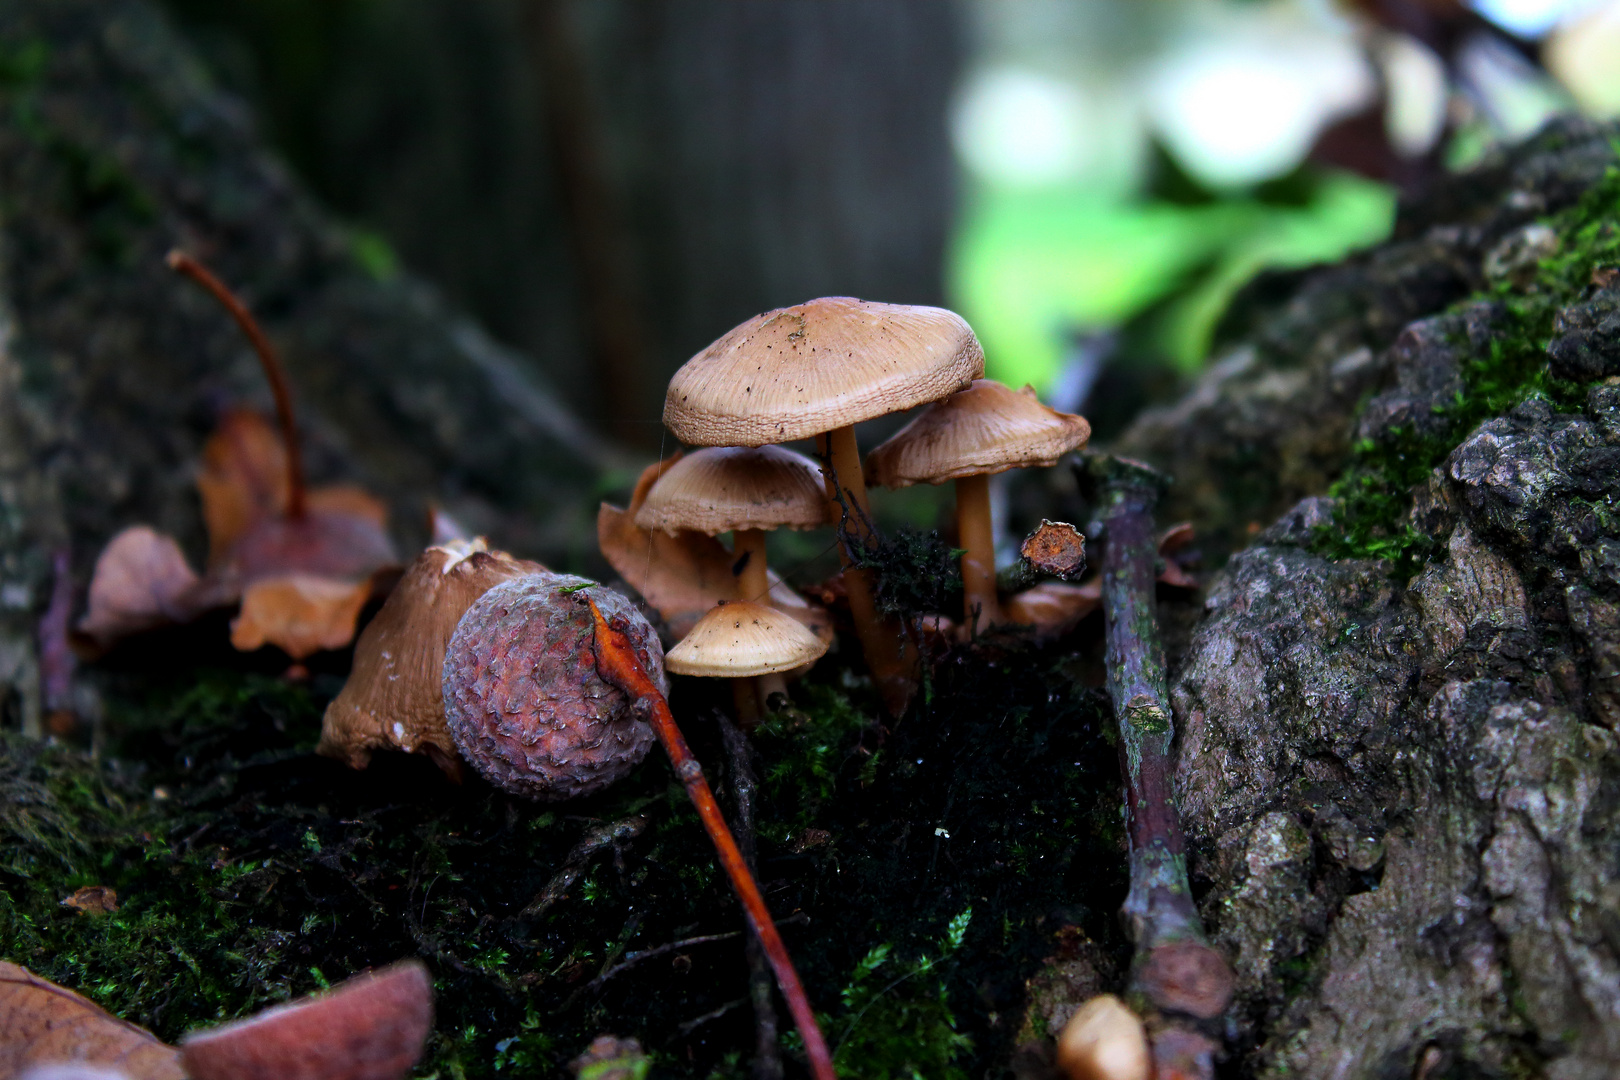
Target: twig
(767,1051)
(631,959)
(594,840)
(617,662)
(713,1014)
(181,263)
(1175,968)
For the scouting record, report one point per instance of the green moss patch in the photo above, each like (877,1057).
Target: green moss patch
(249,870)
(1375,489)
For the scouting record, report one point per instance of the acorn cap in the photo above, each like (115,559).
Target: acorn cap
(721,488)
(987,428)
(393,699)
(803,370)
(740,639)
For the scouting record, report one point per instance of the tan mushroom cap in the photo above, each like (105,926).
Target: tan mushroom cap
(803,370)
(741,639)
(987,428)
(721,488)
(393,699)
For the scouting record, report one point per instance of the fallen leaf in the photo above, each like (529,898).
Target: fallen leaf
(299,613)
(243,479)
(371,1027)
(141,581)
(44,1024)
(93,900)
(1052,607)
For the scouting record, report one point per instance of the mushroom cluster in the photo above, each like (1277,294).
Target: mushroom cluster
(815,370)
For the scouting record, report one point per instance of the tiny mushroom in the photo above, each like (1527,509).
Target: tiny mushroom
(744,491)
(817,369)
(986,429)
(394,699)
(743,640)
(1104,1040)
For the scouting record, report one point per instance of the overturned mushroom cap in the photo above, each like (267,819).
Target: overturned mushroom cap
(740,639)
(987,428)
(393,699)
(1104,1040)
(722,488)
(803,370)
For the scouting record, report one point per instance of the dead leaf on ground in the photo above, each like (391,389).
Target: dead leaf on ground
(371,1027)
(1053,608)
(93,900)
(302,581)
(142,581)
(685,576)
(300,613)
(44,1024)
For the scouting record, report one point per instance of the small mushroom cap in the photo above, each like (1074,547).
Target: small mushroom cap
(803,370)
(721,488)
(987,428)
(740,639)
(393,699)
(1104,1040)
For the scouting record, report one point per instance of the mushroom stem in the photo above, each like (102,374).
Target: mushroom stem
(980,607)
(880,644)
(617,662)
(745,697)
(1175,968)
(181,263)
(748,564)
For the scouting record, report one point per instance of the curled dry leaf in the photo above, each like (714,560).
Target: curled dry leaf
(371,1027)
(300,613)
(1053,608)
(394,699)
(44,1024)
(686,575)
(141,581)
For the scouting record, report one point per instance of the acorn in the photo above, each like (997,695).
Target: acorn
(522,696)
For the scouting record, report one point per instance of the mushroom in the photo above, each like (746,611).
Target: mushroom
(1104,1040)
(744,491)
(817,369)
(740,641)
(394,699)
(986,429)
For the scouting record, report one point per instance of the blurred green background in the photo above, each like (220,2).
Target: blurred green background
(610,184)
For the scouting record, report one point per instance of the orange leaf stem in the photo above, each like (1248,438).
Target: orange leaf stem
(181,263)
(616,660)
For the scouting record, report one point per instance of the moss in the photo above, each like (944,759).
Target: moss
(1375,489)
(917,572)
(250,870)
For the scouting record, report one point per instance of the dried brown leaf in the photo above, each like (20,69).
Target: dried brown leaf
(299,613)
(1052,607)
(142,581)
(371,1027)
(45,1024)
(93,900)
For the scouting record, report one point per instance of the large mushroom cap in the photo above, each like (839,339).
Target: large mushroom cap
(987,428)
(740,639)
(802,370)
(722,488)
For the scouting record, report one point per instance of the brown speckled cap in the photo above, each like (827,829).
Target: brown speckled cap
(987,428)
(740,639)
(803,370)
(720,488)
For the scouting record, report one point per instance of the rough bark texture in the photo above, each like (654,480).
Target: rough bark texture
(1402,794)
(114,147)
